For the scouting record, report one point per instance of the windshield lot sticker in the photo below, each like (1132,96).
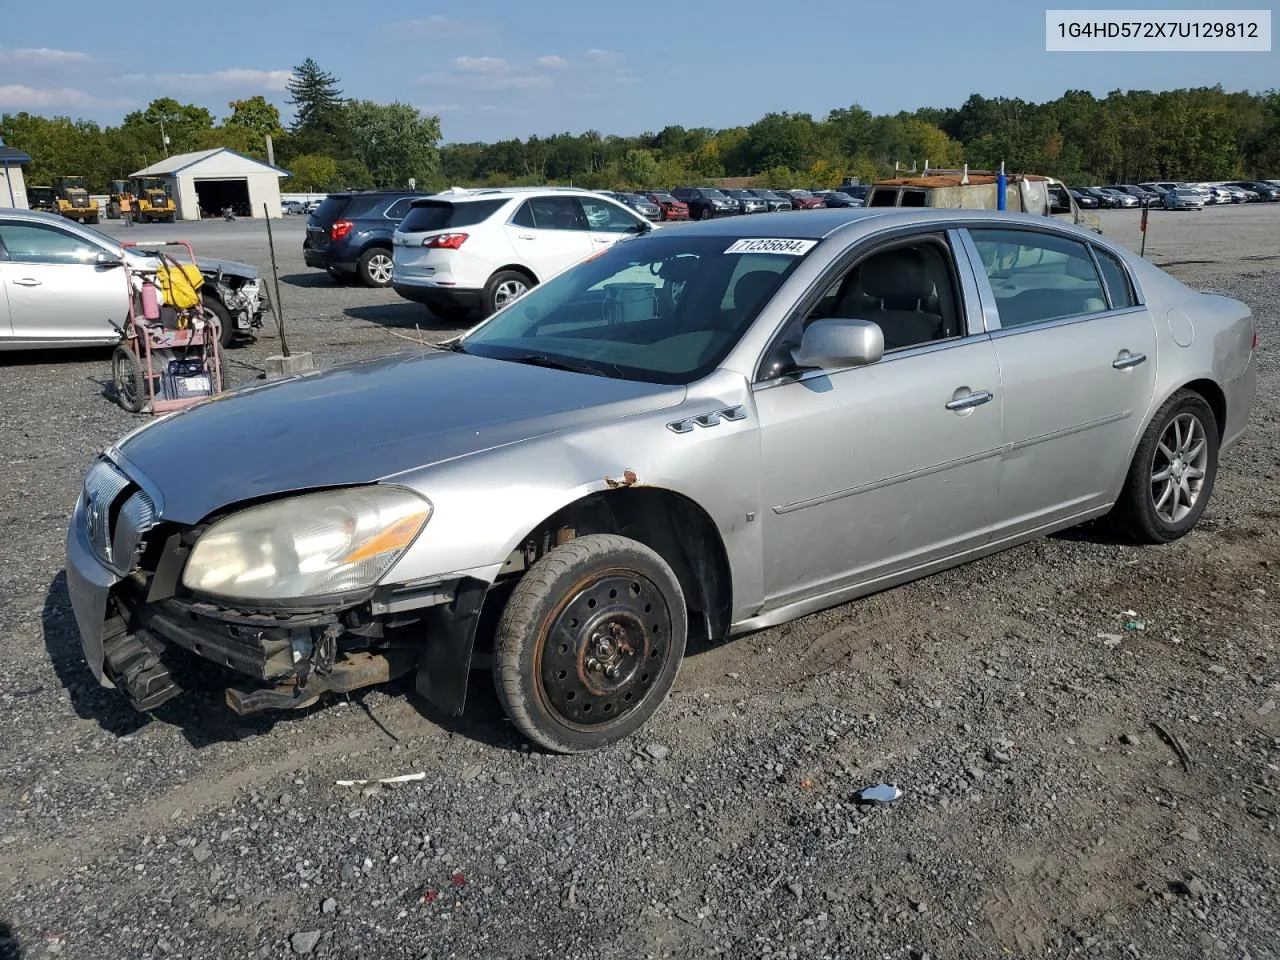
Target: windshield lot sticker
(795,248)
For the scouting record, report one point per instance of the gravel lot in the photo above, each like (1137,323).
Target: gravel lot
(1046,808)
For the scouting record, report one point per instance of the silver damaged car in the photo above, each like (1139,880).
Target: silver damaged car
(693,434)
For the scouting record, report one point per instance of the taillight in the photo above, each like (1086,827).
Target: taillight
(445,241)
(340,229)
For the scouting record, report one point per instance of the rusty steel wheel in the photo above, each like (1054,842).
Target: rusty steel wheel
(589,643)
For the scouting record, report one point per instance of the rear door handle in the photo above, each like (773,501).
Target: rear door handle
(1127,360)
(526,236)
(602,240)
(971,400)
(27,282)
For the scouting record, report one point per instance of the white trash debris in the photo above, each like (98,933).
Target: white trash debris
(403,778)
(880,793)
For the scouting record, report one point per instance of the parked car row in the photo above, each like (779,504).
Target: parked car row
(350,234)
(1173,195)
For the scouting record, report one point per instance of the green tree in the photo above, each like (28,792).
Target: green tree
(780,140)
(395,141)
(639,167)
(318,122)
(257,115)
(312,172)
(182,123)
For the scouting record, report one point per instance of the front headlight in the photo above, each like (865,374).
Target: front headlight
(313,545)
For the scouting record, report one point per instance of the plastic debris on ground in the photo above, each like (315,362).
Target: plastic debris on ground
(403,778)
(880,793)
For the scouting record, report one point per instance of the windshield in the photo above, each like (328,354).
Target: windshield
(658,308)
(714,195)
(664,197)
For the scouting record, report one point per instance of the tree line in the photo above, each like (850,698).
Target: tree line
(334,142)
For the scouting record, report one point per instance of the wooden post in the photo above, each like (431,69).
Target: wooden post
(275,283)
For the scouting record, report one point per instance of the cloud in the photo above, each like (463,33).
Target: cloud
(18,95)
(552,62)
(275,80)
(488,75)
(482,64)
(438,108)
(596,55)
(441,28)
(627,78)
(43,55)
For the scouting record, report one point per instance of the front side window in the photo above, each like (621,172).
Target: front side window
(907,290)
(661,308)
(607,217)
(38,243)
(1037,277)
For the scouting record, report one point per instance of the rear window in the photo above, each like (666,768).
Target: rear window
(442,214)
(331,208)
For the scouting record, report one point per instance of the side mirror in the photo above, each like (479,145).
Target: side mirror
(104,259)
(839,343)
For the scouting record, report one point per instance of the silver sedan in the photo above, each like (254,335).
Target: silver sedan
(61,285)
(694,434)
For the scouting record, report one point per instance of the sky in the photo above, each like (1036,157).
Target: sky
(495,69)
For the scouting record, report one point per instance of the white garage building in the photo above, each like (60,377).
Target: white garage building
(204,182)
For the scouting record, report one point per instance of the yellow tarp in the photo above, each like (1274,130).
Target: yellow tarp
(180,284)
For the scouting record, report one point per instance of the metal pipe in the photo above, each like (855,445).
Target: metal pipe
(9,181)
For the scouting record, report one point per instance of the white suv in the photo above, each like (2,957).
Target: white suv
(462,250)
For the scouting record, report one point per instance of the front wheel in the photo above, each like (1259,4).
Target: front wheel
(127,379)
(589,643)
(706,214)
(226,327)
(1172,473)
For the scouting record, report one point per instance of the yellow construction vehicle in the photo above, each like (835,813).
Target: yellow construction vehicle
(73,200)
(121,194)
(152,201)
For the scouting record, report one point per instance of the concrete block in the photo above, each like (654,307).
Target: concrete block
(282,366)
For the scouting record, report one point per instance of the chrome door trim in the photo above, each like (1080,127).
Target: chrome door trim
(1066,431)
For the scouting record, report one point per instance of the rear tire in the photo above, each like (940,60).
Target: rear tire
(374,267)
(504,287)
(126,380)
(705,214)
(1172,473)
(589,643)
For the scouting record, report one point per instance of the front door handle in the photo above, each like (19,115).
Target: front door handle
(969,401)
(27,282)
(526,236)
(602,239)
(1127,360)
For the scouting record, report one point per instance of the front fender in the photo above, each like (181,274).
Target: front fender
(486,504)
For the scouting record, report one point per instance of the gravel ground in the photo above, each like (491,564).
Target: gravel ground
(1070,786)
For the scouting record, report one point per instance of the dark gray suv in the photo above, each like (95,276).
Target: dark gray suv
(349,234)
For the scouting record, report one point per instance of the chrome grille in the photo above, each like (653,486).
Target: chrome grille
(137,516)
(103,486)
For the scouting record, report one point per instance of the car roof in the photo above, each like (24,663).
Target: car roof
(821,223)
(466,194)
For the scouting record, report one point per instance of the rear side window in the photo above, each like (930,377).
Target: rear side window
(331,208)
(398,209)
(362,207)
(884,198)
(442,214)
(1116,280)
(1038,276)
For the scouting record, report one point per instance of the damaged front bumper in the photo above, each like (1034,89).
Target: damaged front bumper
(137,630)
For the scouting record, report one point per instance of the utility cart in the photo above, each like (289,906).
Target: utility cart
(168,356)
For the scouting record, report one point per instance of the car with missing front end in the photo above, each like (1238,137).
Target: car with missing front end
(61,285)
(637,455)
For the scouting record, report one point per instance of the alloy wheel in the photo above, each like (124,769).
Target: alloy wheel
(1178,468)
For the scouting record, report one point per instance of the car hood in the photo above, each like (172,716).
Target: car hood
(362,422)
(233,268)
